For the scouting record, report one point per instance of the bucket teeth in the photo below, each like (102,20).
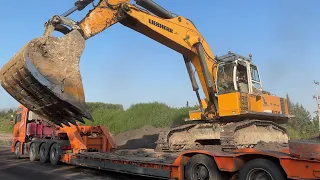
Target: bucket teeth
(73,121)
(88,116)
(44,76)
(81,120)
(65,122)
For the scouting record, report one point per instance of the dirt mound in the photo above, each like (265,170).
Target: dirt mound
(144,137)
(270,146)
(316,137)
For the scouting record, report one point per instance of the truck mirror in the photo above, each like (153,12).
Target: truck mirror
(11,119)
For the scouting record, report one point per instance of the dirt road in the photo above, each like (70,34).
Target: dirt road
(17,169)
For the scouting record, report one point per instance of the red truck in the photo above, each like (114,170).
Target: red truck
(94,147)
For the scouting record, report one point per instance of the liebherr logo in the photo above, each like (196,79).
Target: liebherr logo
(160,25)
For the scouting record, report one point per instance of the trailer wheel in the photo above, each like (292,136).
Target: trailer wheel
(54,154)
(17,150)
(44,155)
(33,153)
(202,167)
(261,169)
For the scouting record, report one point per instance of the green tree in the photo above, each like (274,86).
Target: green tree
(302,125)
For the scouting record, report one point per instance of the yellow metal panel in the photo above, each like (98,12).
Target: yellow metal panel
(195,115)
(255,103)
(271,104)
(229,104)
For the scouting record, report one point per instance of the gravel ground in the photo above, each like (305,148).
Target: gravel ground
(18,169)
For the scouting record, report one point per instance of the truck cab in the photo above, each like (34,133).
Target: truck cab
(37,138)
(28,126)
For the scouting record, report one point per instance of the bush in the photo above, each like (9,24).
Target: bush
(5,125)
(119,120)
(138,115)
(157,114)
(103,106)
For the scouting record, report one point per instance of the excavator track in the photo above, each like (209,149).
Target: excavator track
(163,143)
(227,137)
(234,135)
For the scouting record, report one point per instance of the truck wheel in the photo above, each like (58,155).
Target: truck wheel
(202,167)
(54,154)
(33,153)
(261,169)
(17,150)
(44,155)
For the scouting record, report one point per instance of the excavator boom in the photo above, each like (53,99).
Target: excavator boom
(44,75)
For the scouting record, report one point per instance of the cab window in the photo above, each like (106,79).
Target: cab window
(225,78)
(255,78)
(18,118)
(242,78)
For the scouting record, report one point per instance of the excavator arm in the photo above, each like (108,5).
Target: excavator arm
(44,75)
(177,33)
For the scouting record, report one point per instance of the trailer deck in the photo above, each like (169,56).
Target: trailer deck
(143,162)
(147,162)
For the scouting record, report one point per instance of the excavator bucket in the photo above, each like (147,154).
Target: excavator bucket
(44,76)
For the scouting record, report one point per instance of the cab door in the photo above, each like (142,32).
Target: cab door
(20,126)
(255,85)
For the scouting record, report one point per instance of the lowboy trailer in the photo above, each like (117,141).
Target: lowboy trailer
(94,147)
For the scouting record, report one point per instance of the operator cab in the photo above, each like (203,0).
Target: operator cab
(236,73)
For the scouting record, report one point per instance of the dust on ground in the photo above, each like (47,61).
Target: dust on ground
(144,137)
(17,169)
(5,139)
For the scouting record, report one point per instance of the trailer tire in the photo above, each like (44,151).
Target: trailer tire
(17,150)
(44,155)
(261,167)
(54,154)
(33,152)
(202,167)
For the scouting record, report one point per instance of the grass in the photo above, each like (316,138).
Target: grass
(119,120)
(5,125)
(138,115)
(159,115)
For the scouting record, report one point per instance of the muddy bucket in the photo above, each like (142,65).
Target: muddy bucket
(44,76)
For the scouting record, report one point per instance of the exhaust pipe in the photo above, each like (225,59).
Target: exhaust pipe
(154,8)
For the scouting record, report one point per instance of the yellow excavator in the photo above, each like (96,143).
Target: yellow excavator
(44,76)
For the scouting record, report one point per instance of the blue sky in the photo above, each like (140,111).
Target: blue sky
(121,66)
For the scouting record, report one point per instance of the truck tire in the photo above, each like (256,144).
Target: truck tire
(44,155)
(17,150)
(33,152)
(261,169)
(54,154)
(202,167)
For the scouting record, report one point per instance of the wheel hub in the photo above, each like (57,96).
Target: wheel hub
(33,150)
(201,172)
(259,174)
(17,149)
(53,154)
(42,152)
